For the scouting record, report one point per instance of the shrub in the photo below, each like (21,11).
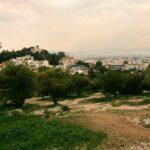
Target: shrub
(65,108)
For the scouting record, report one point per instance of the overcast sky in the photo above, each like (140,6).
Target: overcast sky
(94,26)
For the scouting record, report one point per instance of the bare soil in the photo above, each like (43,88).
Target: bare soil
(122,124)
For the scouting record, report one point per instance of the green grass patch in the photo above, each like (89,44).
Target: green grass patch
(146,101)
(100,100)
(119,103)
(27,108)
(72,97)
(147,126)
(109,99)
(6,107)
(28,133)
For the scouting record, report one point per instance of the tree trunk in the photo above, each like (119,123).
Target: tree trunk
(115,95)
(19,103)
(55,101)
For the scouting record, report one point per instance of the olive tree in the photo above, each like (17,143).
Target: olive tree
(146,81)
(18,84)
(133,84)
(54,83)
(111,82)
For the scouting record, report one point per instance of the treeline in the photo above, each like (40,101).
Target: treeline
(53,59)
(18,83)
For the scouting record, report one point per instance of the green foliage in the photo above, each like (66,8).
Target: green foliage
(132,84)
(146,81)
(146,101)
(59,84)
(43,69)
(30,133)
(101,100)
(47,113)
(65,108)
(18,84)
(80,84)
(52,58)
(54,83)
(82,63)
(99,67)
(91,73)
(130,103)
(111,82)
(95,85)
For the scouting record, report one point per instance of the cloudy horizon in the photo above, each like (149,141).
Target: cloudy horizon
(77,26)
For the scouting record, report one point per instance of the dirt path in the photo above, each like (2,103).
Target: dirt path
(122,134)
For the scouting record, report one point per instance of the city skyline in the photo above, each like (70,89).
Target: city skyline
(97,27)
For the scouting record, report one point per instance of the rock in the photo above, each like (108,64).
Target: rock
(146,121)
(15,112)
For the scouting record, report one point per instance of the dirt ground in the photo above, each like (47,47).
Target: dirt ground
(123,125)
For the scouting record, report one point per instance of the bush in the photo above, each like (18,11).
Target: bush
(65,108)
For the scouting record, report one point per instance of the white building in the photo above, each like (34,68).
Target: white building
(66,62)
(30,62)
(36,49)
(79,70)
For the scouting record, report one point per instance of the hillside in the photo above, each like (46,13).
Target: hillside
(53,59)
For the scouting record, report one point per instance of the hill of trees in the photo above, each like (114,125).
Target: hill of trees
(43,55)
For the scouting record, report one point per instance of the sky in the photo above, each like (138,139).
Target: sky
(96,27)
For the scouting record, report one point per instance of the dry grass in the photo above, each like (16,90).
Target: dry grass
(121,132)
(122,123)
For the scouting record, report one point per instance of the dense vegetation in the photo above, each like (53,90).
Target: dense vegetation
(28,133)
(53,59)
(18,83)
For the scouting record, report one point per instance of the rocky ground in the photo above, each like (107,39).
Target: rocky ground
(127,126)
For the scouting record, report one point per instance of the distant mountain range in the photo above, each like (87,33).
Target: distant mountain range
(110,52)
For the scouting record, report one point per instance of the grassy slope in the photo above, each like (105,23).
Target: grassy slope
(30,133)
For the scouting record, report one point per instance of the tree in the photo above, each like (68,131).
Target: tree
(61,55)
(43,55)
(125,62)
(111,82)
(80,84)
(146,80)
(95,85)
(18,84)
(91,72)
(82,63)
(54,83)
(132,84)
(99,67)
